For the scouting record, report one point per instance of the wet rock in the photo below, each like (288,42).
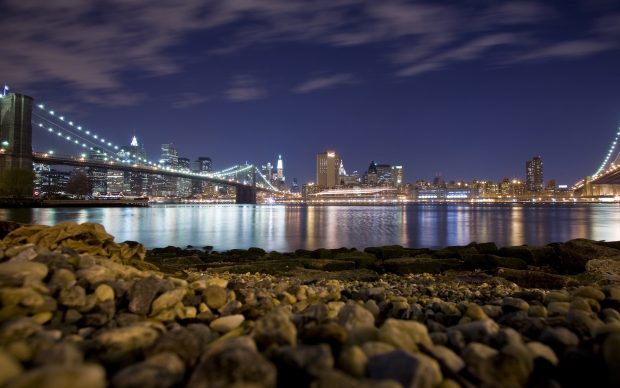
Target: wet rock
(406,335)
(534,279)
(608,269)
(160,371)
(521,252)
(574,254)
(233,362)
(227,323)
(409,369)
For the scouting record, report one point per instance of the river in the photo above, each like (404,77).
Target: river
(286,228)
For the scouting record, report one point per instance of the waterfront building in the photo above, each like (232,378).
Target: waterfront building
(398,176)
(98,176)
(384,175)
(115,180)
(534,174)
(327,169)
(40,175)
(370,177)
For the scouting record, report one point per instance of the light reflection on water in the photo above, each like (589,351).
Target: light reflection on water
(286,228)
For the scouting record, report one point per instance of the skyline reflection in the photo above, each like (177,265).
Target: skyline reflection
(286,228)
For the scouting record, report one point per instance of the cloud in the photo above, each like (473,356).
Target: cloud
(244,88)
(568,50)
(324,82)
(187,100)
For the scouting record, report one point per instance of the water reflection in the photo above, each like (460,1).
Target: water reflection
(286,228)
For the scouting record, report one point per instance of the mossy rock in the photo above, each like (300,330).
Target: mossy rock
(481,261)
(545,255)
(402,266)
(521,252)
(361,259)
(328,264)
(390,252)
(451,265)
(322,253)
(534,279)
(487,247)
(511,262)
(302,253)
(454,252)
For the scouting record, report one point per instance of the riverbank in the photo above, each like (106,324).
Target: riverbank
(79,309)
(80,203)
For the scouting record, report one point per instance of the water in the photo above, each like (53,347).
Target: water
(286,228)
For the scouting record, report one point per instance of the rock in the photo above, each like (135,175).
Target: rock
(18,271)
(537,311)
(128,339)
(544,255)
(520,252)
(18,328)
(475,312)
(9,368)
(409,369)
(574,254)
(142,295)
(275,329)
(233,363)
(611,355)
(543,352)
(103,292)
(608,269)
(187,342)
(160,371)
(447,358)
(167,300)
(359,322)
(556,296)
(330,333)
(559,338)
(299,365)
(511,262)
(558,308)
(404,266)
(227,323)
(406,335)
(372,348)
(59,354)
(215,297)
(353,360)
(479,359)
(590,292)
(481,261)
(66,376)
(510,304)
(334,378)
(488,247)
(476,331)
(533,279)
(27,253)
(582,322)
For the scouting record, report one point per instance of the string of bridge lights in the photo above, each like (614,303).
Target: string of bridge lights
(100,143)
(612,149)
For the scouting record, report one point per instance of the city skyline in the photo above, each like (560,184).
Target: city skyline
(413,83)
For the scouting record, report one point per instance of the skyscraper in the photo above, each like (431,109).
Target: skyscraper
(280,169)
(327,169)
(534,174)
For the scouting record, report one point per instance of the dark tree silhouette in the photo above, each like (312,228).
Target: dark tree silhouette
(79,184)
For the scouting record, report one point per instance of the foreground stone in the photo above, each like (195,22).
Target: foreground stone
(80,310)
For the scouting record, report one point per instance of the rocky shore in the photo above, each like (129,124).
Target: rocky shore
(79,309)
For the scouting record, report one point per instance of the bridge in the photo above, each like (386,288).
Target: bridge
(19,115)
(605,182)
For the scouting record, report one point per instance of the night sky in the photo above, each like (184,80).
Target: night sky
(441,88)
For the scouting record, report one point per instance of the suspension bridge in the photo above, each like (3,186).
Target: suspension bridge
(605,182)
(19,117)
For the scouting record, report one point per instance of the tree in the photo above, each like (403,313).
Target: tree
(79,184)
(16,183)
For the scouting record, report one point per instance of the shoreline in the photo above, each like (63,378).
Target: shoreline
(82,310)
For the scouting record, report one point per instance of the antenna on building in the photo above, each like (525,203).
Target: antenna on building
(5,89)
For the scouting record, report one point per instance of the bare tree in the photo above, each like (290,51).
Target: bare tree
(79,184)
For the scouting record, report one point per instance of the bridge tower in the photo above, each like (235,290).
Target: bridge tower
(247,195)
(15,132)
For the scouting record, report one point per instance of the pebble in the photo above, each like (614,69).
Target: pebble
(228,323)
(406,335)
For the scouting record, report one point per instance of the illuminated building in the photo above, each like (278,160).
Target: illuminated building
(280,169)
(398,177)
(534,174)
(327,169)
(98,176)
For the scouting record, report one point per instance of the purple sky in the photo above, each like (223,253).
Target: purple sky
(467,91)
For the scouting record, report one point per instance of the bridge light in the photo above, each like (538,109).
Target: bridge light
(62,118)
(40,125)
(41,106)
(51,152)
(68,137)
(110,144)
(71,123)
(51,129)
(115,147)
(80,128)
(95,136)
(52,112)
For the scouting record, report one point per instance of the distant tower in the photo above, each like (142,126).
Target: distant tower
(15,132)
(280,168)
(534,174)
(327,169)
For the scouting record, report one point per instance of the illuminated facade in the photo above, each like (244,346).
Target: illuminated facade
(327,169)
(534,174)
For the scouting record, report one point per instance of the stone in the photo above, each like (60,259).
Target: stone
(27,253)
(406,335)
(353,360)
(574,254)
(227,323)
(582,322)
(162,370)
(510,304)
(446,358)
(22,270)
(409,369)
(353,314)
(608,269)
(167,300)
(9,368)
(188,342)
(521,252)
(481,261)
(590,292)
(59,354)
(66,376)
(479,359)
(611,355)
(103,292)
(126,339)
(542,351)
(476,331)
(142,295)
(404,266)
(533,279)
(301,364)
(215,297)
(334,378)
(73,297)
(18,328)
(275,329)
(559,338)
(475,312)
(538,311)
(558,308)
